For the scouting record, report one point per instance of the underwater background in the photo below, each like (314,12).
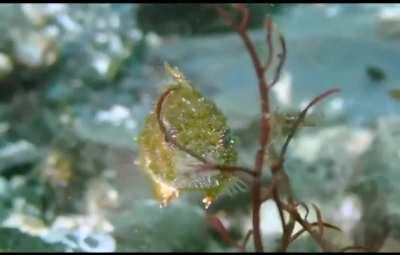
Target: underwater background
(77,82)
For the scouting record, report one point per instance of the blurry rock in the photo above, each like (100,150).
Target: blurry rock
(349,213)
(6,65)
(271,222)
(191,19)
(113,127)
(80,233)
(388,25)
(39,14)
(70,38)
(375,183)
(394,94)
(80,180)
(4,127)
(35,125)
(100,197)
(380,163)
(283,90)
(102,63)
(325,159)
(58,168)
(391,245)
(375,73)
(26,224)
(13,240)
(374,226)
(147,227)
(17,154)
(304,244)
(34,51)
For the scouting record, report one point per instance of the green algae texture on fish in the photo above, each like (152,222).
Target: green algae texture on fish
(200,134)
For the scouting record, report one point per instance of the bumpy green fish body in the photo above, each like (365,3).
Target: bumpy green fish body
(196,124)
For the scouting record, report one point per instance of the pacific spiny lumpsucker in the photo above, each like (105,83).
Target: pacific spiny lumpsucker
(194,123)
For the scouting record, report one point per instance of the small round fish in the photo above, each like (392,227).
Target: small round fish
(195,124)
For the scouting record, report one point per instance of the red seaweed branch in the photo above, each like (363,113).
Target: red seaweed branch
(241,27)
(259,68)
(279,189)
